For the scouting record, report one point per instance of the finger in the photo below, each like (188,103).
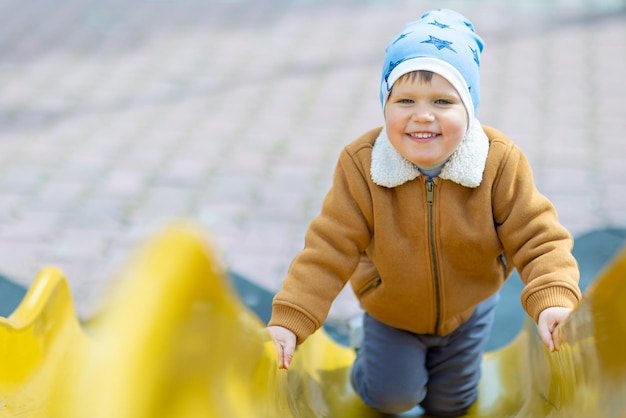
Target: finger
(280,349)
(546,337)
(287,355)
(557,343)
(557,337)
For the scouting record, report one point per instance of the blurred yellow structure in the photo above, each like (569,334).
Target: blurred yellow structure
(176,341)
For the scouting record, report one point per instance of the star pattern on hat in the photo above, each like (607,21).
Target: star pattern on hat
(439,25)
(476,57)
(439,43)
(392,65)
(399,38)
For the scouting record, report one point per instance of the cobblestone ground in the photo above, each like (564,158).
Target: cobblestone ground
(117,117)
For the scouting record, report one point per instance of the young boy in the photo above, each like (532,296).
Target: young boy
(426,218)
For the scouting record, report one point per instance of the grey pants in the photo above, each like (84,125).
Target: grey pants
(396,370)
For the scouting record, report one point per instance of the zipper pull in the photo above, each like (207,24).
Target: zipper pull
(430,191)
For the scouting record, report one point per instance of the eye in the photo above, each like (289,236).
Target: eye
(443,102)
(402,100)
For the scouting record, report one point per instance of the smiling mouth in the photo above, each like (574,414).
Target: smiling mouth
(422,136)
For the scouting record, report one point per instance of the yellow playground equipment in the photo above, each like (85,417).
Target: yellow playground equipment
(176,341)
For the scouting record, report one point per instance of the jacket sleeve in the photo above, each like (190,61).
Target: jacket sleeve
(333,245)
(539,246)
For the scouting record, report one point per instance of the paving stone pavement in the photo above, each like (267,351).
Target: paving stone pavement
(117,117)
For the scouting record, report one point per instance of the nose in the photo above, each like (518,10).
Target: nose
(422,113)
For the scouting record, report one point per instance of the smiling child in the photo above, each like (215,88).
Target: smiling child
(426,218)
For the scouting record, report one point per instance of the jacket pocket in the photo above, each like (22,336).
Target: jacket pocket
(369,286)
(504,265)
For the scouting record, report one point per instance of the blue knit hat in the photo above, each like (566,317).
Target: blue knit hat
(443,42)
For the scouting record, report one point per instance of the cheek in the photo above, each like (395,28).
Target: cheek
(457,125)
(460,128)
(393,121)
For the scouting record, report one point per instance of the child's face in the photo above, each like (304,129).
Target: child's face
(425,120)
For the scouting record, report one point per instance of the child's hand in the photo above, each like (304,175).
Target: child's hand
(285,341)
(549,318)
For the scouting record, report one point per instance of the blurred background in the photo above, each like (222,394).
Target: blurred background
(118,116)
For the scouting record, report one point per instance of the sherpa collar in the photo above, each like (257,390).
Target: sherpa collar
(465,166)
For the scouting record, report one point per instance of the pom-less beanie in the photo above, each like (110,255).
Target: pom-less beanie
(443,42)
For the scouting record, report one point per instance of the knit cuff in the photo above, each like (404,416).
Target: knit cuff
(549,297)
(294,320)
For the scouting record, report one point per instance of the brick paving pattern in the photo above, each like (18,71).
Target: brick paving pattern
(117,117)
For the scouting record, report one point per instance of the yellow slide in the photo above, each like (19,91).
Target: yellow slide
(176,341)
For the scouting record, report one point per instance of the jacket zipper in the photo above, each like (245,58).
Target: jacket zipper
(430,198)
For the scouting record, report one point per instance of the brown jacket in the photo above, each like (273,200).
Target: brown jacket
(422,253)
